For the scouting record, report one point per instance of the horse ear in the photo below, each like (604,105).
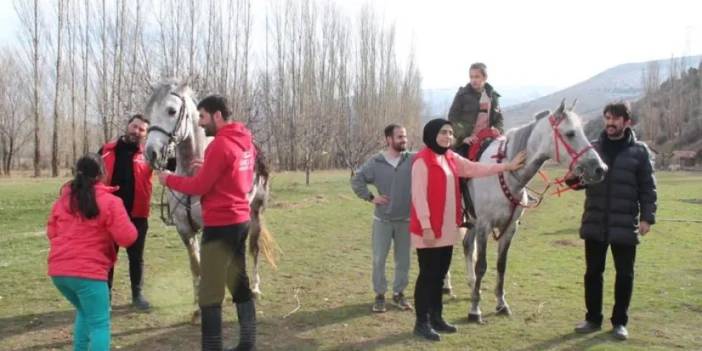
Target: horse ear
(183,84)
(572,106)
(560,109)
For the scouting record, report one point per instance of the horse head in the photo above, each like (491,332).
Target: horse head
(171,110)
(569,145)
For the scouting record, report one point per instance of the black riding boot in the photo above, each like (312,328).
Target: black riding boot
(468,208)
(138,299)
(423,328)
(437,322)
(246,311)
(211,317)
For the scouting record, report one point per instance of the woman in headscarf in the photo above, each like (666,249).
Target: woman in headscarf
(435,217)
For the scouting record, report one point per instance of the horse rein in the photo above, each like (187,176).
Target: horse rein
(514,202)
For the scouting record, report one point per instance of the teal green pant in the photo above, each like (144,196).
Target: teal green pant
(92,302)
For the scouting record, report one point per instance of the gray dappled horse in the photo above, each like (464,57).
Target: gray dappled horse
(174,131)
(500,200)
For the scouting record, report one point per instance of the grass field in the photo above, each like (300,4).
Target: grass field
(324,233)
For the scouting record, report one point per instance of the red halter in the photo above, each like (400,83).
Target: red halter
(557,136)
(558,139)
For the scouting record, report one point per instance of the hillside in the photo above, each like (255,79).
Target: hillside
(620,82)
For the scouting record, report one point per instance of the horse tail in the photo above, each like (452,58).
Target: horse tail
(261,239)
(264,243)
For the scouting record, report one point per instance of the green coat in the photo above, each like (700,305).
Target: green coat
(464,111)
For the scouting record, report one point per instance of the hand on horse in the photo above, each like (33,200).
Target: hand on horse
(195,165)
(518,161)
(381,200)
(162,177)
(428,237)
(644,227)
(470,140)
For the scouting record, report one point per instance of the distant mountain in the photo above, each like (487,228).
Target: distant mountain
(620,82)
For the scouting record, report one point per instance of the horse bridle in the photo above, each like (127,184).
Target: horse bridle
(558,139)
(173,138)
(557,136)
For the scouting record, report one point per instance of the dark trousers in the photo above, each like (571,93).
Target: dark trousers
(595,256)
(433,265)
(223,263)
(136,257)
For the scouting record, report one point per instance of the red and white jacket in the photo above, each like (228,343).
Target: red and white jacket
(85,248)
(142,178)
(436,198)
(225,178)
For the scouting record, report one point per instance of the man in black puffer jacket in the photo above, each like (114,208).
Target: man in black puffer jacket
(617,211)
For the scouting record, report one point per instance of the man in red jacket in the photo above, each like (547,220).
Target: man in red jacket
(127,169)
(223,180)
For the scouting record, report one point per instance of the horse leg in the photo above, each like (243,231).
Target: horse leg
(475,314)
(447,288)
(469,255)
(255,234)
(192,244)
(502,249)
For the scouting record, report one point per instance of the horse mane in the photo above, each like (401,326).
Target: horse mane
(519,136)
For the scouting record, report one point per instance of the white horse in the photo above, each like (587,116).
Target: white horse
(500,200)
(174,131)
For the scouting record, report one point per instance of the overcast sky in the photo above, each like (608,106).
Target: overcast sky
(532,42)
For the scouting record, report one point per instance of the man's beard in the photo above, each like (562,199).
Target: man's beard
(399,147)
(210,129)
(619,133)
(132,139)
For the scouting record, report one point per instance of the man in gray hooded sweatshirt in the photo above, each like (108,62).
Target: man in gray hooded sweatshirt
(389,171)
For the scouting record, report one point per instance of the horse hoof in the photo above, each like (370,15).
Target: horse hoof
(503,311)
(475,318)
(195,318)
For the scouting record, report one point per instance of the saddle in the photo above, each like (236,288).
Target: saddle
(473,153)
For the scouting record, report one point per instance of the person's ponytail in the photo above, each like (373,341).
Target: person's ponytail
(88,171)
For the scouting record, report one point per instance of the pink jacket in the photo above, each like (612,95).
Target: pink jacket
(421,194)
(85,248)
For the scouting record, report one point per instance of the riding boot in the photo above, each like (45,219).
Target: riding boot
(468,209)
(246,311)
(437,322)
(211,317)
(138,299)
(423,329)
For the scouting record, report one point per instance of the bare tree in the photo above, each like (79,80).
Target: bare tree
(57,91)
(14,131)
(85,52)
(30,17)
(70,27)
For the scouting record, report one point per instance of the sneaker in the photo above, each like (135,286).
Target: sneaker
(400,302)
(620,332)
(587,327)
(379,304)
